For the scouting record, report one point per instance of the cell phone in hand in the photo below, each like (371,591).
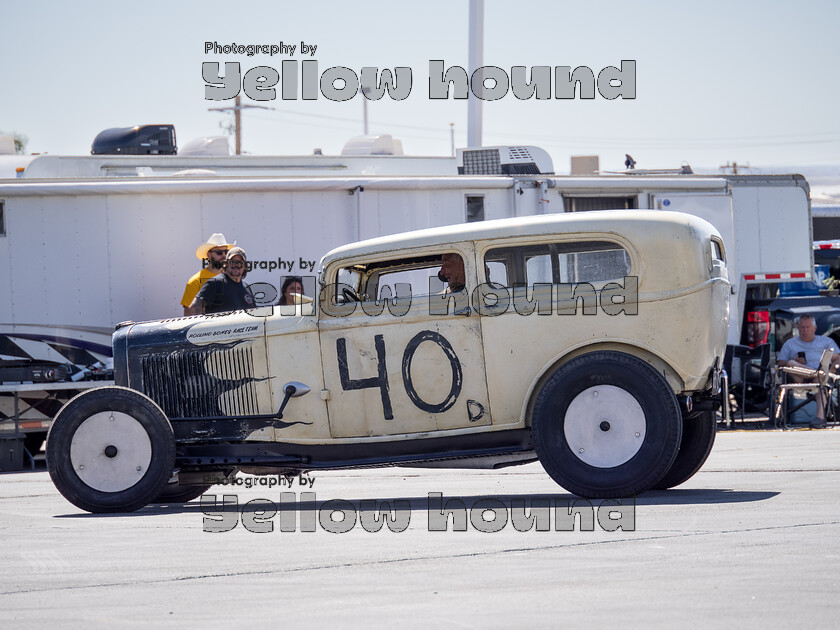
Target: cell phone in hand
(801,355)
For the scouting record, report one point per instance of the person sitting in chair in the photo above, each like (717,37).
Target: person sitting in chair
(806,350)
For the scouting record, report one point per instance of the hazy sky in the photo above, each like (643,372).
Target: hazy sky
(716,81)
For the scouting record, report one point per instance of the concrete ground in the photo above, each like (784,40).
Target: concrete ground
(753,540)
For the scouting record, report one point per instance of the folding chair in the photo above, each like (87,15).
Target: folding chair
(748,369)
(755,368)
(819,382)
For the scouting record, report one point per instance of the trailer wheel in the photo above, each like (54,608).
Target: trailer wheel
(110,449)
(698,438)
(606,425)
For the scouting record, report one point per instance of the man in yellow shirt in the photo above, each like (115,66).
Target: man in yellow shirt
(212,255)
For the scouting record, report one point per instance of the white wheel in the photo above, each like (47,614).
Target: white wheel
(605,426)
(110,451)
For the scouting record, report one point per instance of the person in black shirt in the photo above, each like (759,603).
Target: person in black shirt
(227,291)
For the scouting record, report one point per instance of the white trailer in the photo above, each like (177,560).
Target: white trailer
(98,240)
(765,221)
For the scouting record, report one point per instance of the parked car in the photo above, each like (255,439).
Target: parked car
(589,341)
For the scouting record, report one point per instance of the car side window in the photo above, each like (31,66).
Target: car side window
(597,262)
(370,280)
(538,268)
(496,272)
(417,279)
(585,261)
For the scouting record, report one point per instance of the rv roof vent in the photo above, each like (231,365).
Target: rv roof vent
(140,140)
(373,145)
(209,145)
(7,145)
(504,161)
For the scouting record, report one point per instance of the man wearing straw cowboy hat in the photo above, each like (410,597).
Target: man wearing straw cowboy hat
(214,252)
(226,292)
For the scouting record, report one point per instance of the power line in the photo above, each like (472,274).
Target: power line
(237,118)
(623,142)
(355,121)
(594,142)
(798,138)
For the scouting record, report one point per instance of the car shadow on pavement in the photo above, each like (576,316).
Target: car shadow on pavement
(224,501)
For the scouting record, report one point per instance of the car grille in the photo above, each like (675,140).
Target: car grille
(200,383)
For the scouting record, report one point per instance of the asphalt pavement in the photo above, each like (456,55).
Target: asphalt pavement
(752,540)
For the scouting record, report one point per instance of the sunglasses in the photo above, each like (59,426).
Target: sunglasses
(221,252)
(236,265)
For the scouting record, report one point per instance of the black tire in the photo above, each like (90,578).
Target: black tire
(110,449)
(173,493)
(698,438)
(618,445)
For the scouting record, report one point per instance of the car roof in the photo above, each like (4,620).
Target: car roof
(633,224)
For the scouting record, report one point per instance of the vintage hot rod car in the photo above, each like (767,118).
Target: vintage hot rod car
(589,341)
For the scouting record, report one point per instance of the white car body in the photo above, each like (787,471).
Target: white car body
(401,383)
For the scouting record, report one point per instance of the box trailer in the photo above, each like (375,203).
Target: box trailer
(89,242)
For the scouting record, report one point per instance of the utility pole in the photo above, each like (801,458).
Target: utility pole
(237,118)
(364,109)
(734,166)
(237,122)
(476,61)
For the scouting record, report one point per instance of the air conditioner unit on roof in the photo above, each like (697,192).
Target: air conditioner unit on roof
(139,140)
(509,160)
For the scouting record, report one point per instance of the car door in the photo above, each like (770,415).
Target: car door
(405,370)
